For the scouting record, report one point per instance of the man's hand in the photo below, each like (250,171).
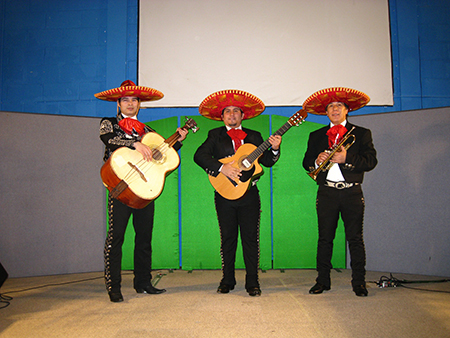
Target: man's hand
(230,171)
(275,141)
(146,151)
(183,133)
(322,157)
(339,156)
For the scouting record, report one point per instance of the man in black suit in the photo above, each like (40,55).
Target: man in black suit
(233,106)
(124,130)
(339,191)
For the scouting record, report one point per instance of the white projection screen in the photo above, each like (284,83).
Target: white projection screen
(279,50)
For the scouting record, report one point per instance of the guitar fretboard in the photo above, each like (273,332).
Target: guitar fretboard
(266,144)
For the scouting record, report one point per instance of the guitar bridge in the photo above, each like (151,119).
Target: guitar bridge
(139,171)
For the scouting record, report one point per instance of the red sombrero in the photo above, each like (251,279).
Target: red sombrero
(128,88)
(317,103)
(212,106)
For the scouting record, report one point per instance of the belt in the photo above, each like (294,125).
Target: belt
(339,185)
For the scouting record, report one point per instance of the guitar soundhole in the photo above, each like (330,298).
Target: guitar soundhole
(157,155)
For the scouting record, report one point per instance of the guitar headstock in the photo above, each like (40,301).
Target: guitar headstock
(190,124)
(298,117)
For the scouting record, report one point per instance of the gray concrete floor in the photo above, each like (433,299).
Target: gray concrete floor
(77,305)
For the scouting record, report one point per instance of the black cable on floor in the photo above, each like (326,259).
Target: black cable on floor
(421,289)
(4,300)
(391,281)
(55,284)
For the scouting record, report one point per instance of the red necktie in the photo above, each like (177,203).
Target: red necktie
(128,125)
(237,135)
(335,135)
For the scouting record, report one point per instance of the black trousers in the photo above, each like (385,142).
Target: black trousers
(241,215)
(349,204)
(119,214)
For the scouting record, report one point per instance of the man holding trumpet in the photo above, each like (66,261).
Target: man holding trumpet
(337,157)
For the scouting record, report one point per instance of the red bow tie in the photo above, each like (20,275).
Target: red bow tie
(128,125)
(237,135)
(335,135)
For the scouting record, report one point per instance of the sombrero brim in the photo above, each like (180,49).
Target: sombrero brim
(143,93)
(212,106)
(317,103)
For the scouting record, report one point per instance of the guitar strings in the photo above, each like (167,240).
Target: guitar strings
(144,165)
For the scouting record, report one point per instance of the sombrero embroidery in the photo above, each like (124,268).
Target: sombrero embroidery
(318,102)
(128,88)
(212,106)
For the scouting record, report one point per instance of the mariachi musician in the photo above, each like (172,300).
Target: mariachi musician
(339,170)
(235,214)
(125,130)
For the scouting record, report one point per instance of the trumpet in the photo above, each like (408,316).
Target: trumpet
(326,165)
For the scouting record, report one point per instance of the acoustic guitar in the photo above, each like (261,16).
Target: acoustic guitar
(246,159)
(133,180)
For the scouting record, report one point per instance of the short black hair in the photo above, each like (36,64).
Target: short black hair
(242,112)
(120,98)
(345,104)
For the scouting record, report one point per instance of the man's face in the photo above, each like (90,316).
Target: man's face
(337,112)
(232,116)
(129,106)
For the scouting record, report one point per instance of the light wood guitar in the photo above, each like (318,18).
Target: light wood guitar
(133,180)
(246,159)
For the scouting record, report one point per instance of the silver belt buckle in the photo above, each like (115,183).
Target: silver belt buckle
(340,185)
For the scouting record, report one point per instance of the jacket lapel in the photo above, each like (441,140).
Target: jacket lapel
(226,142)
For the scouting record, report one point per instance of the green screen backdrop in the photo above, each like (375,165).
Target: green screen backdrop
(295,231)
(186,232)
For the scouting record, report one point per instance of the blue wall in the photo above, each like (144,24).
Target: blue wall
(55,54)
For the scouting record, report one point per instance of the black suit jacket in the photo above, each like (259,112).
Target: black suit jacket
(361,156)
(219,145)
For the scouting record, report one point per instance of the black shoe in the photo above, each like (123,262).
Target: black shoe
(254,291)
(225,288)
(150,290)
(360,290)
(318,288)
(115,297)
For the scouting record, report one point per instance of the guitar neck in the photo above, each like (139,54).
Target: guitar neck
(173,139)
(266,144)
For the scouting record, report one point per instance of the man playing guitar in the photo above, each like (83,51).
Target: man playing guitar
(241,214)
(125,130)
